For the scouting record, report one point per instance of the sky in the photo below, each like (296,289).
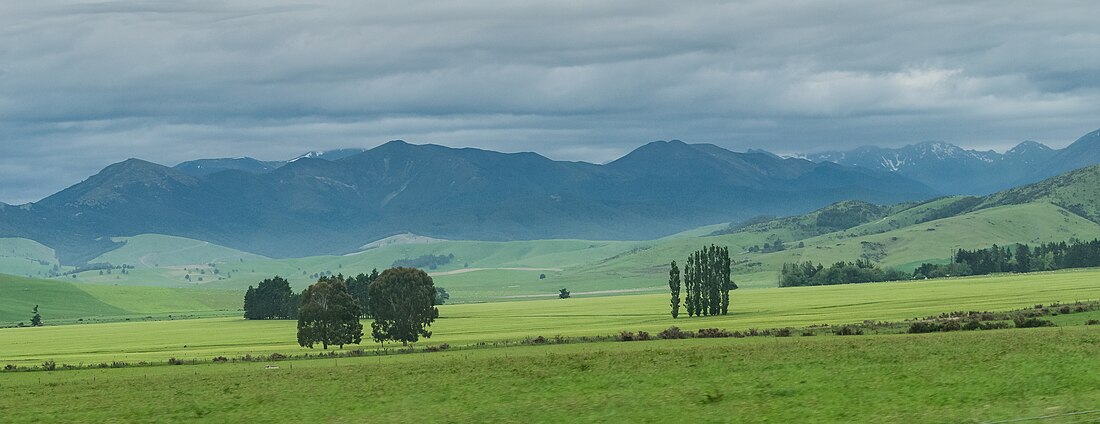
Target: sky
(87,84)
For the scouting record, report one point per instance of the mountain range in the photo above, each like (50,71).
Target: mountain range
(337,201)
(950,169)
(311,205)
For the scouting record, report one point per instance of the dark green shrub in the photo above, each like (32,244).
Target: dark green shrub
(783,332)
(712,333)
(1093,322)
(952,325)
(1022,322)
(49,365)
(920,327)
(674,333)
(848,330)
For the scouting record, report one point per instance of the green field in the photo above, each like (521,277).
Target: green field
(582,316)
(63,302)
(945,377)
(973,376)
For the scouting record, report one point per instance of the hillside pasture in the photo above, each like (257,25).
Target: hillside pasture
(471,324)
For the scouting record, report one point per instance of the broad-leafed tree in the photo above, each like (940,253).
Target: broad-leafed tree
(401,303)
(329,315)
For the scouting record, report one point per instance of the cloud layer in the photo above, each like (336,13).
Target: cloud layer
(86,84)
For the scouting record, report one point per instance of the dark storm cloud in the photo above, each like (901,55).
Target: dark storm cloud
(85,84)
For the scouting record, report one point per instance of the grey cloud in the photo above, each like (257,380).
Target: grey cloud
(85,84)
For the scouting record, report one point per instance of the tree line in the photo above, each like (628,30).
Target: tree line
(400,301)
(811,274)
(1018,258)
(706,281)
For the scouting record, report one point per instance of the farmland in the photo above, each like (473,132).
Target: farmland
(953,377)
(466,324)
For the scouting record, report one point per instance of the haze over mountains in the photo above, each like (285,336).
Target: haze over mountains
(315,206)
(334,202)
(951,169)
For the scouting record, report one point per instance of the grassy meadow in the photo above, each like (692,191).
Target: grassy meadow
(468,324)
(979,376)
(63,302)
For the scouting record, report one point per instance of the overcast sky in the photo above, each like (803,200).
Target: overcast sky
(86,84)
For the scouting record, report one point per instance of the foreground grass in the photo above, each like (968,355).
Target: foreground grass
(944,377)
(494,322)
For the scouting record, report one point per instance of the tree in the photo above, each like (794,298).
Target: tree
(36,320)
(674,287)
(1023,258)
(689,285)
(359,287)
(707,282)
(563,293)
(401,302)
(272,299)
(329,315)
(441,295)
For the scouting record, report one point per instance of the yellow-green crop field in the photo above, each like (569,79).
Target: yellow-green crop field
(156,341)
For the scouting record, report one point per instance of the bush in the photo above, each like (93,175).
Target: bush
(1022,322)
(808,334)
(952,325)
(49,365)
(1092,322)
(174,361)
(921,327)
(705,333)
(1065,310)
(674,333)
(277,357)
(10,367)
(439,348)
(221,359)
(643,336)
(848,331)
(625,336)
(783,332)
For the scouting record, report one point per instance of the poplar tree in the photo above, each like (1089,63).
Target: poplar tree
(674,287)
(689,285)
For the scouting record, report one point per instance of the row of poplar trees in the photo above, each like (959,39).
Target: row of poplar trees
(706,280)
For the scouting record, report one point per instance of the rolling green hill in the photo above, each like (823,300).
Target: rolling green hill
(900,236)
(66,302)
(155,250)
(20,256)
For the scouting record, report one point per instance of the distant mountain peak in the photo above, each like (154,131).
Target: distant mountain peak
(1028,147)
